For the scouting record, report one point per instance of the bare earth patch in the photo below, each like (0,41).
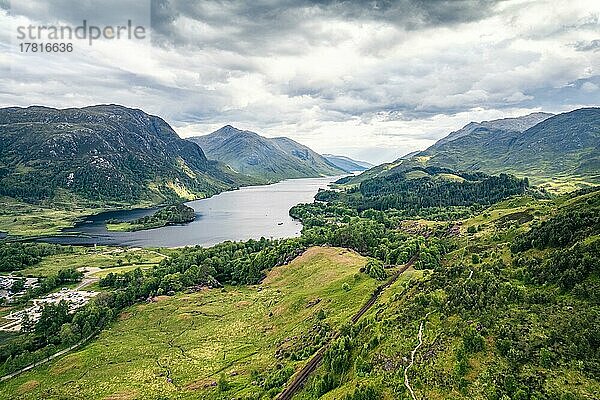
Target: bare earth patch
(65,364)
(28,386)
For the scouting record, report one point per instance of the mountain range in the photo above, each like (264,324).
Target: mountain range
(348,164)
(103,153)
(518,124)
(266,159)
(540,146)
(110,153)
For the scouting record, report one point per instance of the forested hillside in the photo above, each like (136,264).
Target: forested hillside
(420,191)
(491,321)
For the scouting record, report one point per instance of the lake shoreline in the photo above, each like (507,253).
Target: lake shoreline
(248,212)
(66,232)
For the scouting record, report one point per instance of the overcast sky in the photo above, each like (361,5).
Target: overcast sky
(370,79)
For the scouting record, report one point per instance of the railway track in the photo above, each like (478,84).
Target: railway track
(300,378)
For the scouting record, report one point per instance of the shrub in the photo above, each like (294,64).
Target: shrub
(375,270)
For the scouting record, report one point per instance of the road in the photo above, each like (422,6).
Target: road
(88,277)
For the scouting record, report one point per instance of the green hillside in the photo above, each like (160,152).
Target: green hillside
(511,312)
(104,154)
(183,346)
(563,145)
(559,153)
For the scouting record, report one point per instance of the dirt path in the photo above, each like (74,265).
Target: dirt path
(412,358)
(300,378)
(158,253)
(88,276)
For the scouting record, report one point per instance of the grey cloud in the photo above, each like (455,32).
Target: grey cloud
(584,45)
(258,64)
(268,25)
(106,12)
(572,93)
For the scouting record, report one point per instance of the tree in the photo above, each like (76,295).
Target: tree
(223,384)
(67,334)
(17,286)
(27,325)
(52,318)
(375,270)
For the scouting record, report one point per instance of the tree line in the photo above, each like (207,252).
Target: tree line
(401,191)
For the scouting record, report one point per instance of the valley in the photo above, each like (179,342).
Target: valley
(409,280)
(300,200)
(250,212)
(468,286)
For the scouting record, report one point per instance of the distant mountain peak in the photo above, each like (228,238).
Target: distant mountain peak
(348,164)
(513,124)
(229,129)
(270,159)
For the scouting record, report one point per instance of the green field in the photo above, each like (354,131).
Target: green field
(98,257)
(23,219)
(196,339)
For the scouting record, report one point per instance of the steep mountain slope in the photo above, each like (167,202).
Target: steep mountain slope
(102,153)
(264,158)
(347,163)
(563,145)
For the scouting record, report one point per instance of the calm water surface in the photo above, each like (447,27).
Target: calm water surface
(249,213)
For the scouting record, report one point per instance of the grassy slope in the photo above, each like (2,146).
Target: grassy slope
(201,335)
(396,317)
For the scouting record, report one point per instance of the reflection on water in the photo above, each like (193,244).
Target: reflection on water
(251,212)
